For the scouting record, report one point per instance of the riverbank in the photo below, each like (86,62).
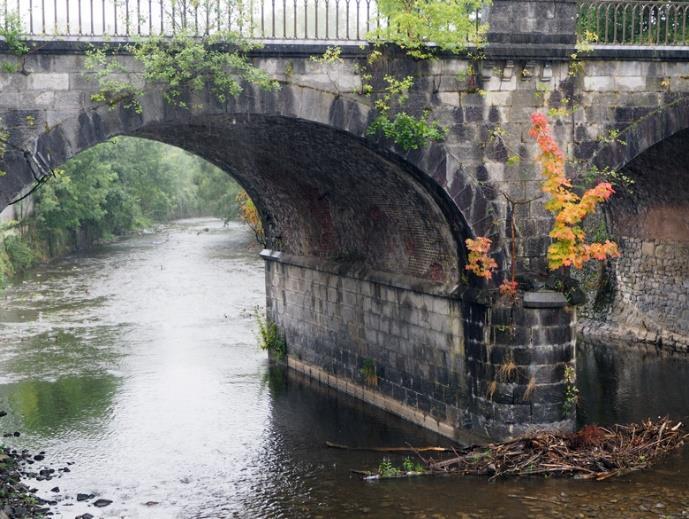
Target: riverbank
(22,247)
(16,498)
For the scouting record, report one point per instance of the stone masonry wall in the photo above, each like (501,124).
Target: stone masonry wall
(652,279)
(462,369)
(650,221)
(401,343)
(517,358)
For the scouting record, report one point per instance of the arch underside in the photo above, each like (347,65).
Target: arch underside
(321,192)
(651,222)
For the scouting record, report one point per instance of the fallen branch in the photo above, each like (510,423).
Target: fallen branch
(388,449)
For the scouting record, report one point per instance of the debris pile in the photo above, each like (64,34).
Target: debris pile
(594,452)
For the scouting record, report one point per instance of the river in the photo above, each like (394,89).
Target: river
(138,363)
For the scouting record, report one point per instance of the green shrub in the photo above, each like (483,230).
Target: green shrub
(410,465)
(19,253)
(269,335)
(408,132)
(387,470)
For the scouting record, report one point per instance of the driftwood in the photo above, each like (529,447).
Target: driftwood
(392,450)
(594,452)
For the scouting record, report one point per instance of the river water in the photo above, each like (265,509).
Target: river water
(138,363)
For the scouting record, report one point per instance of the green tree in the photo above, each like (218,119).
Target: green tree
(113,189)
(418,26)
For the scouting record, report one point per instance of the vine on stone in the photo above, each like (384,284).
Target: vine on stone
(569,248)
(407,131)
(179,64)
(185,63)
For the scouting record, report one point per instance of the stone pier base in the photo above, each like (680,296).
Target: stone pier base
(459,368)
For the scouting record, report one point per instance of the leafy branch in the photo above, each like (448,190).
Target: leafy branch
(12,33)
(420,27)
(405,130)
(180,65)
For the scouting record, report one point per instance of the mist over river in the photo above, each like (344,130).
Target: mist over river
(138,362)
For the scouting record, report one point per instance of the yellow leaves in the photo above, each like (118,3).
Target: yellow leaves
(479,262)
(249,215)
(568,248)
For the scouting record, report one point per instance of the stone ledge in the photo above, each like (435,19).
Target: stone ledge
(544,299)
(612,334)
(637,53)
(359,272)
(507,50)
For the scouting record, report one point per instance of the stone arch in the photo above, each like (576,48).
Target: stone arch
(641,135)
(323,189)
(650,221)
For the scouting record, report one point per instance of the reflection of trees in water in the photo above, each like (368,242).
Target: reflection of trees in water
(275,379)
(45,407)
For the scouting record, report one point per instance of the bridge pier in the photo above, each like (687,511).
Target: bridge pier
(468,371)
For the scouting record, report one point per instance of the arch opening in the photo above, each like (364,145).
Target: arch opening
(322,193)
(650,220)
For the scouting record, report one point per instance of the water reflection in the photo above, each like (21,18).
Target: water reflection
(619,384)
(46,408)
(139,363)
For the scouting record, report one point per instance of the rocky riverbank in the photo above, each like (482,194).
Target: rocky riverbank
(16,498)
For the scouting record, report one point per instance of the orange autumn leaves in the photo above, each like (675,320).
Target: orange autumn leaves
(479,261)
(568,248)
(482,265)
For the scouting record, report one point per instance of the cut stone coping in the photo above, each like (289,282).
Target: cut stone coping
(544,299)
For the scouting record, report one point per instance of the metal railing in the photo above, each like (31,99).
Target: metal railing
(633,22)
(312,20)
(337,21)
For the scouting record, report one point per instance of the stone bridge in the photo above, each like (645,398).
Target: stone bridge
(365,259)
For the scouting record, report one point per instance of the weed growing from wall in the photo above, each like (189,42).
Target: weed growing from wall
(269,336)
(571,391)
(368,372)
(12,34)
(180,66)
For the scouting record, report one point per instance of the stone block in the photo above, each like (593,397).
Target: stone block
(50,81)
(599,83)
